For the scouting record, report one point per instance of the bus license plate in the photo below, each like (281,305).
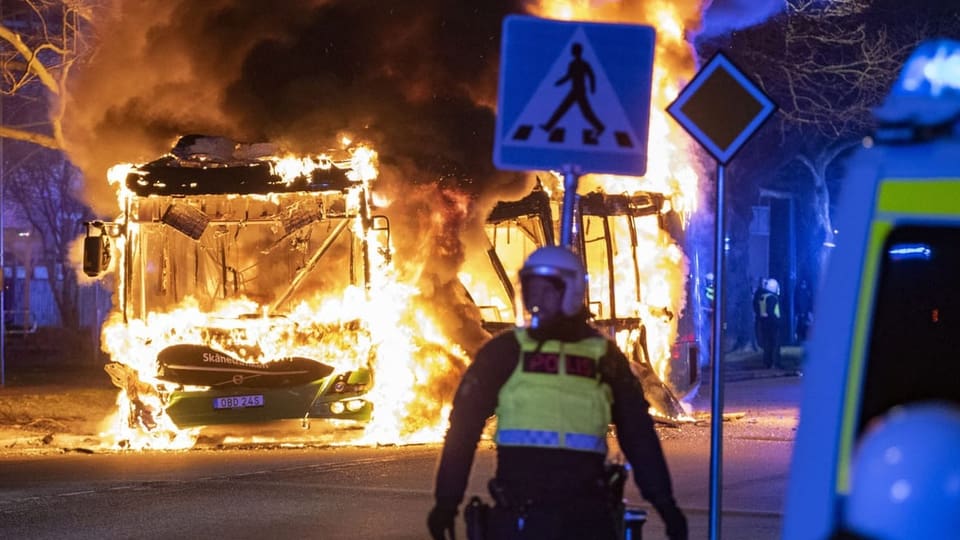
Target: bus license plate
(238,402)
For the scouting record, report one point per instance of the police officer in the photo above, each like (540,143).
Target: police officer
(709,293)
(768,311)
(555,387)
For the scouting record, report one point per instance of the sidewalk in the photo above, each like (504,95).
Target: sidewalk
(745,364)
(54,410)
(749,385)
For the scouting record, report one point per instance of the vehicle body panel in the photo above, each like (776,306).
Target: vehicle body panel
(889,188)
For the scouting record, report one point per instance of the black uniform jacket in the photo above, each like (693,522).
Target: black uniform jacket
(548,474)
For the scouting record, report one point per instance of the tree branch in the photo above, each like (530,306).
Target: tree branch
(29,136)
(34,66)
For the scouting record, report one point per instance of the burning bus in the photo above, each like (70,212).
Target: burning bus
(251,288)
(630,246)
(236,273)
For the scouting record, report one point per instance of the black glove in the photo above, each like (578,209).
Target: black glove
(674,519)
(440,521)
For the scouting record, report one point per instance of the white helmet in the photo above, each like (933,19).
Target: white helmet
(771,285)
(565,265)
(906,475)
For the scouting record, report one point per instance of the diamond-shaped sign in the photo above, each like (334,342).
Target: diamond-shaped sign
(721,108)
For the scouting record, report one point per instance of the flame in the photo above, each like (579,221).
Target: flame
(291,167)
(382,326)
(386,325)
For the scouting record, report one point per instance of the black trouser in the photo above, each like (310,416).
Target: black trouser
(770,341)
(584,519)
(757,332)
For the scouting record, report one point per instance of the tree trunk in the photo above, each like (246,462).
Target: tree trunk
(818,172)
(65,294)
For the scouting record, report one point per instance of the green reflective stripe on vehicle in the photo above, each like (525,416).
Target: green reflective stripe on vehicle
(941,196)
(851,406)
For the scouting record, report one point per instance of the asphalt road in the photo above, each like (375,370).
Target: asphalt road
(268,491)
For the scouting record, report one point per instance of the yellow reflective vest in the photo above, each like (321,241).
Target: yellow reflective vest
(763,305)
(555,398)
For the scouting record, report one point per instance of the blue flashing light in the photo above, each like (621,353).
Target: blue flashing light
(934,67)
(927,92)
(902,252)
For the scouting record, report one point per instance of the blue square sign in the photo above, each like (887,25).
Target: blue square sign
(574,95)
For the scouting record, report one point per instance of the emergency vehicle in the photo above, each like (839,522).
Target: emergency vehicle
(887,330)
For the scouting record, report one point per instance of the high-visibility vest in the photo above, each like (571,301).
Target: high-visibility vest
(763,305)
(555,398)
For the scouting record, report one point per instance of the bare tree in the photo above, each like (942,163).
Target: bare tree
(836,68)
(43,190)
(849,55)
(41,40)
(828,65)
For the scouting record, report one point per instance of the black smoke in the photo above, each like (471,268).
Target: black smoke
(415,79)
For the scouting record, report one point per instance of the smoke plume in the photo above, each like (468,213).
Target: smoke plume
(725,16)
(416,80)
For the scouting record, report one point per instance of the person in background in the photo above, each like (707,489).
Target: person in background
(555,387)
(768,311)
(709,291)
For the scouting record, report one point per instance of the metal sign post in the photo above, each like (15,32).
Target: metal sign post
(571,178)
(716,358)
(721,108)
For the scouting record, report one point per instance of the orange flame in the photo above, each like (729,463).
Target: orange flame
(380,326)
(384,325)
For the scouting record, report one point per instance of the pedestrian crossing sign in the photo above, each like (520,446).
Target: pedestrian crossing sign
(574,95)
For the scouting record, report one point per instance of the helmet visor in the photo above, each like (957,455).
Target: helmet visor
(543,296)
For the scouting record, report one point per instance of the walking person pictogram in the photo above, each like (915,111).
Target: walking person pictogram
(578,71)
